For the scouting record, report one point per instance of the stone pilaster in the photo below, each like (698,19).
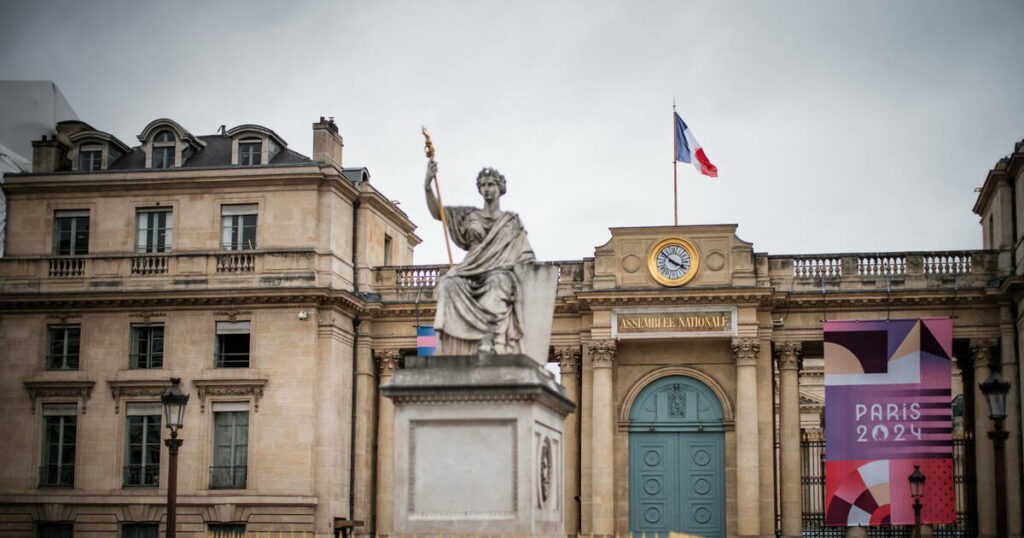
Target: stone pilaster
(569,365)
(981,351)
(365,430)
(788,354)
(1008,369)
(602,356)
(748,512)
(387,362)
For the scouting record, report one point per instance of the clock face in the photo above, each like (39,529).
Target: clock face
(673,262)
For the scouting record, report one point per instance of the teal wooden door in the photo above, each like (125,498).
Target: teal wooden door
(676,459)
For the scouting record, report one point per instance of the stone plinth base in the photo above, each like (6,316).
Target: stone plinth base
(478,446)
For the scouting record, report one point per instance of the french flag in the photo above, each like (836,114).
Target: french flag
(688,150)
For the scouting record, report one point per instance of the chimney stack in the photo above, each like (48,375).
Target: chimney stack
(49,155)
(327,142)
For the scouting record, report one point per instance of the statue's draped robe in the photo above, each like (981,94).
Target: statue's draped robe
(482,293)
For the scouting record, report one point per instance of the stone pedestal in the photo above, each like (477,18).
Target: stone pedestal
(477,446)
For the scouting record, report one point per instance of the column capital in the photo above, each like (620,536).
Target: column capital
(568,359)
(602,353)
(788,354)
(746,350)
(387,361)
(981,351)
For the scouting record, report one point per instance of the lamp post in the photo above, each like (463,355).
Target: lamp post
(174,401)
(916,480)
(995,389)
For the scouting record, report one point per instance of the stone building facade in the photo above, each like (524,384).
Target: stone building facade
(285,296)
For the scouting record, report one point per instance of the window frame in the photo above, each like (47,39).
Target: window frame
(228,331)
(63,528)
(65,414)
(166,147)
(148,236)
(65,352)
(147,417)
(389,245)
(237,446)
(246,155)
(147,530)
(95,154)
(135,357)
(235,221)
(78,236)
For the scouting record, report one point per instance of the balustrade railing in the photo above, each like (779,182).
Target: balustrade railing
(236,263)
(958,263)
(67,267)
(149,265)
(817,267)
(882,265)
(424,276)
(896,264)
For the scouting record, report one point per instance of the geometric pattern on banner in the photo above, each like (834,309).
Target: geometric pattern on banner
(888,408)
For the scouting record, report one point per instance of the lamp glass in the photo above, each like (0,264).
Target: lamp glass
(916,479)
(995,389)
(174,401)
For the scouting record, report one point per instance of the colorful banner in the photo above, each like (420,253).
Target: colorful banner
(888,408)
(426,341)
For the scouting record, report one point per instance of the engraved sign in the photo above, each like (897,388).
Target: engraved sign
(669,323)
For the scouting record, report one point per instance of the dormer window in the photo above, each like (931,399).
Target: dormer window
(250,151)
(90,158)
(163,149)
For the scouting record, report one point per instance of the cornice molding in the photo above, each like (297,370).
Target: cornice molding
(229,387)
(80,390)
(152,388)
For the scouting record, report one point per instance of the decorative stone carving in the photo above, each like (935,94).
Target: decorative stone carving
(676,401)
(602,353)
(569,360)
(229,387)
(147,388)
(80,390)
(982,350)
(387,361)
(788,354)
(746,350)
(544,469)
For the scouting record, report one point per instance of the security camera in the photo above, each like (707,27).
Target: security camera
(303,314)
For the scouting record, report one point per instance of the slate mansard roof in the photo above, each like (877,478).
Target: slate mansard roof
(216,153)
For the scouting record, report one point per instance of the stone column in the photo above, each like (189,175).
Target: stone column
(748,513)
(1008,369)
(366,420)
(602,355)
(569,364)
(387,362)
(789,437)
(982,350)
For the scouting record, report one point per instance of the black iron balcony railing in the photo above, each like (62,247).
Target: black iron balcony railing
(57,476)
(146,475)
(231,360)
(227,477)
(146,360)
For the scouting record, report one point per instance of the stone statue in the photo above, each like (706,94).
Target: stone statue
(480,300)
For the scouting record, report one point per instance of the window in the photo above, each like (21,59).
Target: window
(71,233)
(232,344)
(59,430)
(140,530)
(164,145)
(147,346)
(387,249)
(249,150)
(230,530)
(238,227)
(230,445)
(64,347)
(142,445)
(90,159)
(155,230)
(55,530)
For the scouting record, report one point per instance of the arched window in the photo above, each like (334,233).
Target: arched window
(164,145)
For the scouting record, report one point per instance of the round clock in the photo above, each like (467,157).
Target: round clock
(673,261)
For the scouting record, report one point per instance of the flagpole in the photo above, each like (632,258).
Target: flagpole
(675,171)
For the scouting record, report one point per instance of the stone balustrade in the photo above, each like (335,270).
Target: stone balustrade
(412,282)
(884,270)
(165,271)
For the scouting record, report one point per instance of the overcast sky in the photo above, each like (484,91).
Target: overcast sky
(836,126)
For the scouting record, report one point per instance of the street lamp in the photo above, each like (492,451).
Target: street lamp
(995,389)
(174,401)
(916,480)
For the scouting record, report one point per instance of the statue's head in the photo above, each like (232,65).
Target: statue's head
(491,174)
